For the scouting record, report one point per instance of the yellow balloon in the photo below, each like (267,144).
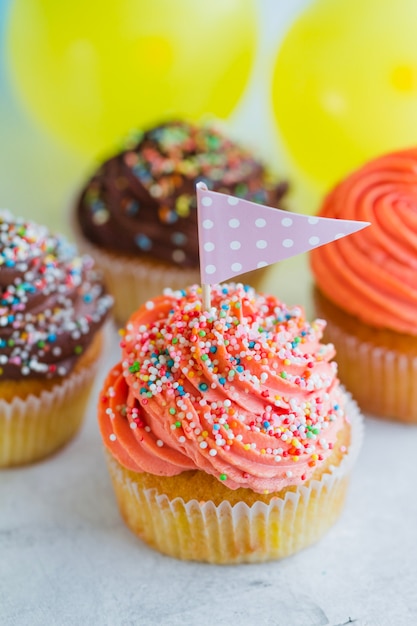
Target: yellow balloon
(89,71)
(345,85)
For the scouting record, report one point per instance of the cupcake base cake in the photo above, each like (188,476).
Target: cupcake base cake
(193,517)
(227,435)
(37,417)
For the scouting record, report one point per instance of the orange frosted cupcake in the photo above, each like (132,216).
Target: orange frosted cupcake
(228,437)
(367,285)
(52,307)
(137,214)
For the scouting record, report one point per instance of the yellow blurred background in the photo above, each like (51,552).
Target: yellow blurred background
(315,87)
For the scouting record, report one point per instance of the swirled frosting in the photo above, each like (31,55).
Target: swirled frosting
(373,274)
(245,392)
(51,301)
(142,200)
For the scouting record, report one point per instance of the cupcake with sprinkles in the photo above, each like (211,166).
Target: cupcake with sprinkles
(366,285)
(137,214)
(52,308)
(227,435)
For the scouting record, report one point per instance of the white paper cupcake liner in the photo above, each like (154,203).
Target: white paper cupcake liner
(33,428)
(134,281)
(382,380)
(240,533)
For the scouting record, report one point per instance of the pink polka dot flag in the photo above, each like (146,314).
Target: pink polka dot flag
(237,236)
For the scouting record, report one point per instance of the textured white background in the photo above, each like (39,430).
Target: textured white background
(67,559)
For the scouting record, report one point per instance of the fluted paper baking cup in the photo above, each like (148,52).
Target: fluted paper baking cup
(239,533)
(33,428)
(377,365)
(383,380)
(134,281)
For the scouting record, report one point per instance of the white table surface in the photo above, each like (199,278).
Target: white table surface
(66,557)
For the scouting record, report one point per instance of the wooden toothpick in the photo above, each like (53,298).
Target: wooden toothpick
(206,297)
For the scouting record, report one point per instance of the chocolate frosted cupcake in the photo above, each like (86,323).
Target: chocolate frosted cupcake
(52,308)
(137,215)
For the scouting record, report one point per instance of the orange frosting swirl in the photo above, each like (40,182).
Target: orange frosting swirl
(373,274)
(245,392)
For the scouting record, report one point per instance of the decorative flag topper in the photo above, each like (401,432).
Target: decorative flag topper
(237,236)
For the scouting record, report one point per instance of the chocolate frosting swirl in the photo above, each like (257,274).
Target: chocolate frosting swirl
(142,201)
(51,302)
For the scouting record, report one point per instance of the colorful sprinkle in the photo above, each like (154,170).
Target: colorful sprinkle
(238,397)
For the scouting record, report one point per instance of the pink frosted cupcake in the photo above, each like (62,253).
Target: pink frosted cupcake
(228,437)
(137,214)
(367,285)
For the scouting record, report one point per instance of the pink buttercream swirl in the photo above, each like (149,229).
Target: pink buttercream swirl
(373,274)
(245,392)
